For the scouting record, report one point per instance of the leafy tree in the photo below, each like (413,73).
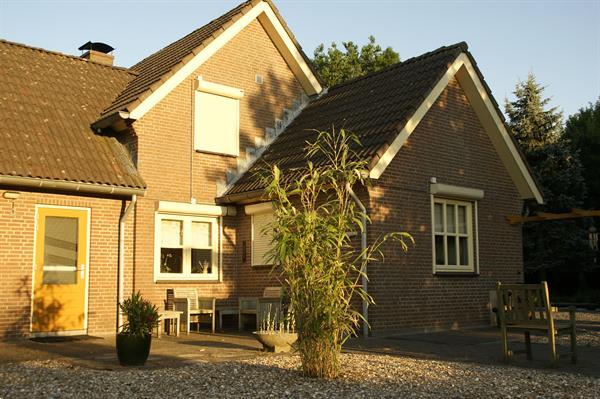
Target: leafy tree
(583,129)
(336,65)
(314,211)
(555,163)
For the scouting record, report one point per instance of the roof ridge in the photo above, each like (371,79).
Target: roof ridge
(74,57)
(462,45)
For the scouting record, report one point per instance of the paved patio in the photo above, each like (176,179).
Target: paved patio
(168,351)
(472,346)
(481,346)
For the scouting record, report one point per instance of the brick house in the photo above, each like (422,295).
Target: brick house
(114,180)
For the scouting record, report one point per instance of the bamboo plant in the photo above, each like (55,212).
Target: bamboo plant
(322,270)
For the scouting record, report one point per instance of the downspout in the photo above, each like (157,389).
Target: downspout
(363,246)
(121,262)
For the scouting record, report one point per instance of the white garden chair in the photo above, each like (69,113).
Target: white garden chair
(254,306)
(188,301)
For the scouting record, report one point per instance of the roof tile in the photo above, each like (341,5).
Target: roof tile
(47,102)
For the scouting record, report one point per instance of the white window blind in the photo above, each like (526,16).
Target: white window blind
(201,235)
(261,238)
(170,233)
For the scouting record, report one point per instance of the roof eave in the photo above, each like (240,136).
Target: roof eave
(242,198)
(117,120)
(71,186)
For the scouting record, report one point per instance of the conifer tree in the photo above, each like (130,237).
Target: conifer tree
(583,129)
(558,245)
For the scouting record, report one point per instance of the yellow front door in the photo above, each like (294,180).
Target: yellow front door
(61,253)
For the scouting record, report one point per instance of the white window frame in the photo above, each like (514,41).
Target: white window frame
(186,274)
(233,93)
(472,239)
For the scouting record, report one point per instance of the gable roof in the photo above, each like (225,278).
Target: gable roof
(47,104)
(155,70)
(374,106)
(384,108)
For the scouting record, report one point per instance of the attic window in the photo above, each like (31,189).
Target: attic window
(217,118)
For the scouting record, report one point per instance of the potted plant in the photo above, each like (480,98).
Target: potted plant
(276,331)
(133,342)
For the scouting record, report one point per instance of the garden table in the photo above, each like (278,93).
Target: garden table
(173,317)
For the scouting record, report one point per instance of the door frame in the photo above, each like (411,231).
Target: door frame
(88,212)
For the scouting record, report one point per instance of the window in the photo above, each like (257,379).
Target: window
(60,250)
(452,236)
(261,238)
(186,248)
(216,118)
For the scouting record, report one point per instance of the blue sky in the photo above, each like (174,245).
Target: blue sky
(559,41)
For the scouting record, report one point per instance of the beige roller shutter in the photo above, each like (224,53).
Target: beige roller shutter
(216,124)
(261,239)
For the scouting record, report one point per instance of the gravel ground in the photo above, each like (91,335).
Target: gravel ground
(364,376)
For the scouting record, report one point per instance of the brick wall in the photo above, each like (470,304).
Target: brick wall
(16,259)
(451,145)
(174,172)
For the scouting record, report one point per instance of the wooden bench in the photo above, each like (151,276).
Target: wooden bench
(526,308)
(270,301)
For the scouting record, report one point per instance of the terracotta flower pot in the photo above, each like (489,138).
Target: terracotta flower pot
(133,350)
(276,341)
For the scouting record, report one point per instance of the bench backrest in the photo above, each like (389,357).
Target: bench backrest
(272,292)
(190,293)
(519,303)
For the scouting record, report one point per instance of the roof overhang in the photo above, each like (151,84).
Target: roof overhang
(266,15)
(69,186)
(246,197)
(480,98)
(116,120)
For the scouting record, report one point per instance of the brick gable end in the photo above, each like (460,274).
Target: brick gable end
(451,145)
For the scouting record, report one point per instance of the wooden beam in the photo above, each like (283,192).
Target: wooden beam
(544,216)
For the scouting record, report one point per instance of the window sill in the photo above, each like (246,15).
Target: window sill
(262,266)
(456,273)
(186,281)
(190,281)
(223,154)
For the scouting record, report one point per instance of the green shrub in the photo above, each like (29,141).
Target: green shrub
(141,314)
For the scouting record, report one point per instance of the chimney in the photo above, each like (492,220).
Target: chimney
(98,52)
